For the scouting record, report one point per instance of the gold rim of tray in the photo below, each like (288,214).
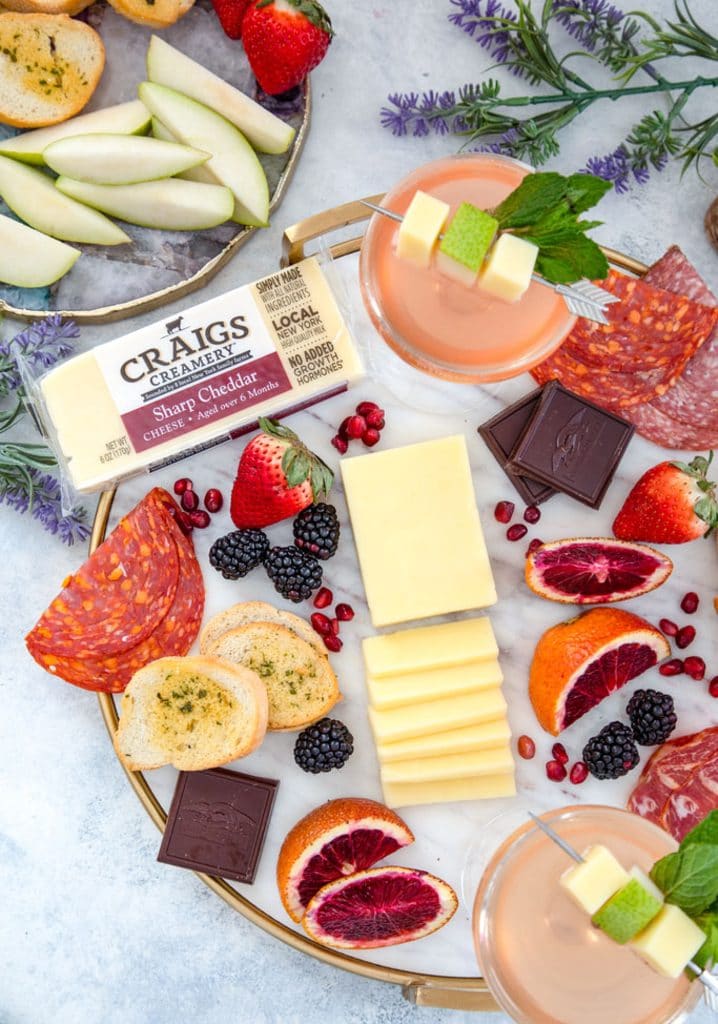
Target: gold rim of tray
(457,993)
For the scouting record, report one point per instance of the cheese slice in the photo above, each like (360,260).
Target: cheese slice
(495,761)
(453,741)
(507,270)
(429,647)
(423,222)
(478,787)
(429,556)
(417,687)
(437,715)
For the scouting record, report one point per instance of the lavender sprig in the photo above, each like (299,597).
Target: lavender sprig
(25,487)
(41,344)
(649,146)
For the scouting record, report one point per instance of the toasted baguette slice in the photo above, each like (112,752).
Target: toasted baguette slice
(47,6)
(193,713)
(257,611)
(159,14)
(65,57)
(301,686)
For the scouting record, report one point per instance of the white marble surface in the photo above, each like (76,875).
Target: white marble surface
(93,929)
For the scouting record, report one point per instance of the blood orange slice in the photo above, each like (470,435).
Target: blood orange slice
(337,839)
(578,663)
(379,907)
(595,570)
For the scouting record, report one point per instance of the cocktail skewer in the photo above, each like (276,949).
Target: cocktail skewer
(583,298)
(706,978)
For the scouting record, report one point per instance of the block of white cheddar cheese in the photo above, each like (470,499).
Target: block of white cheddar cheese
(593,882)
(437,715)
(429,647)
(669,941)
(417,531)
(507,269)
(453,741)
(478,787)
(422,224)
(416,687)
(495,761)
(144,400)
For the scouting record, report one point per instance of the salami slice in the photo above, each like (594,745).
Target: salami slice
(610,389)
(649,328)
(663,430)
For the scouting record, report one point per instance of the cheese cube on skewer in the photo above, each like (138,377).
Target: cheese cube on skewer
(593,882)
(423,223)
(507,270)
(669,941)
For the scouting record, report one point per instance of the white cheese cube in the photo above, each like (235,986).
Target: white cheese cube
(669,941)
(423,222)
(507,270)
(594,881)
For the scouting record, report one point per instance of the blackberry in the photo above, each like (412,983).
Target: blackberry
(325,745)
(652,715)
(295,574)
(236,553)
(316,530)
(612,753)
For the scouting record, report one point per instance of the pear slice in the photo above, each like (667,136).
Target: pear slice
(120,159)
(170,67)
(170,204)
(32,195)
(233,162)
(627,912)
(29,259)
(198,173)
(124,119)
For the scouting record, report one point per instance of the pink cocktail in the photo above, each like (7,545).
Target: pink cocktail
(541,957)
(439,325)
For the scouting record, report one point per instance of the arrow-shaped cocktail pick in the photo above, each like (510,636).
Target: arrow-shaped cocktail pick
(582,298)
(710,981)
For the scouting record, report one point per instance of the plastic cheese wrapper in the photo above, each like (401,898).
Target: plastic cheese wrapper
(196,379)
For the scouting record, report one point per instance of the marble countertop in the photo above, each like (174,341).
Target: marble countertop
(93,930)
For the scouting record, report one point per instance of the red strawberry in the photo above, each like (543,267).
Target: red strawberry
(231,14)
(277,477)
(672,503)
(284,40)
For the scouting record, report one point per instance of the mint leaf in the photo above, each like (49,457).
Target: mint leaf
(585,190)
(705,832)
(536,194)
(689,877)
(570,258)
(707,955)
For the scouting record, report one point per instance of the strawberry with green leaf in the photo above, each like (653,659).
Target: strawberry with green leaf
(284,40)
(672,503)
(277,477)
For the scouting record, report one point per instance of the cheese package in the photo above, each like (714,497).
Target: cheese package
(198,378)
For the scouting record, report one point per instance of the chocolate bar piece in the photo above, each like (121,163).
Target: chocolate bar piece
(217,823)
(572,445)
(501,434)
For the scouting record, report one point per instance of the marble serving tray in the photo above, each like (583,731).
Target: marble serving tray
(113,282)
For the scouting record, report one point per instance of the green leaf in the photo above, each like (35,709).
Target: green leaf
(689,877)
(585,190)
(568,260)
(705,832)
(707,510)
(536,194)
(296,464)
(707,955)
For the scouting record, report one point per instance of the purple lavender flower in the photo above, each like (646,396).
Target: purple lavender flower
(408,112)
(482,20)
(39,493)
(41,344)
(587,21)
(623,166)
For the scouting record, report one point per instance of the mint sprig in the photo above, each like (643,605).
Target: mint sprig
(707,955)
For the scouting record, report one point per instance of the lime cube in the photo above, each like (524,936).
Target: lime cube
(466,241)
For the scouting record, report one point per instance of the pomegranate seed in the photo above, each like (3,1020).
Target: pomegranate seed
(334,626)
(332,643)
(674,667)
(323,598)
(695,667)
(526,747)
(189,500)
(532,514)
(503,511)
(516,532)
(355,427)
(364,408)
(344,612)
(182,485)
(558,752)
(685,636)
(213,500)
(579,773)
(690,602)
(342,432)
(668,627)
(340,444)
(713,687)
(370,437)
(555,771)
(320,623)
(199,518)
(376,419)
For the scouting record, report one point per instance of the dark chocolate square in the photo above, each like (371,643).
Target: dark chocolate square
(501,434)
(572,445)
(217,823)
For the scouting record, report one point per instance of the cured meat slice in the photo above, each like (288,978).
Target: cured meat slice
(120,594)
(650,327)
(679,784)
(654,424)
(610,389)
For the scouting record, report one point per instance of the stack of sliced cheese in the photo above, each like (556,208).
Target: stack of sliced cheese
(438,714)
